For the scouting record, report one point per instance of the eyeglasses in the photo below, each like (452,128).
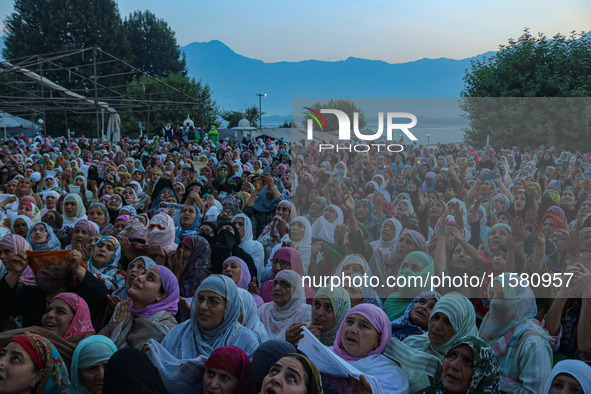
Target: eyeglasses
(281,283)
(211,301)
(282,263)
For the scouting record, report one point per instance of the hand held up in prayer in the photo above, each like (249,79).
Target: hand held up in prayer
(123,311)
(253,286)
(17,264)
(176,263)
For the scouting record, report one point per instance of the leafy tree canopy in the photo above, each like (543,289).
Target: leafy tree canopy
(233,117)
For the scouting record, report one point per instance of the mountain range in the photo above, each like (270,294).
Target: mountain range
(236,79)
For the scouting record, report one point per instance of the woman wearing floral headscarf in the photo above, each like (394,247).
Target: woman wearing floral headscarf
(40,368)
(104,262)
(469,367)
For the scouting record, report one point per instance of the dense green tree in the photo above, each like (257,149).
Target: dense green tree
(170,106)
(154,48)
(347,106)
(233,117)
(537,70)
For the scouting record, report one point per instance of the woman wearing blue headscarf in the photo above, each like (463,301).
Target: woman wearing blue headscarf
(214,323)
(42,237)
(90,357)
(190,221)
(261,205)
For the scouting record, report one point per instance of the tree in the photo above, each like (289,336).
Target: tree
(199,104)
(530,67)
(348,107)
(233,117)
(154,48)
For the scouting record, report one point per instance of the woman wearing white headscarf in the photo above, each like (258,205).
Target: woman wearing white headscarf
(288,305)
(324,227)
(573,369)
(253,248)
(388,238)
(250,318)
(73,209)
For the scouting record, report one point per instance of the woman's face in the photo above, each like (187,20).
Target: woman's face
(232,270)
(585,208)
(219,382)
(286,376)
(547,226)
(568,198)
(127,194)
(402,207)
(49,183)
(497,237)
(188,216)
(282,291)
(19,373)
(458,369)
(93,376)
(286,181)
(323,314)
(50,202)
(585,239)
(405,246)
(361,210)
(70,208)
(330,214)
(78,181)
(239,222)
(119,225)
(359,336)
(315,207)
(26,210)
(440,329)
(39,234)
(134,270)
(6,253)
(58,317)
(146,289)
(107,190)
(10,188)
(519,202)
(436,208)
(421,311)
(312,194)
(24,185)
(114,202)
(352,269)
(20,228)
(283,211)
(80,236)
(461,259)
(96,215)
(297,231)
(564,383)
(209,309)
(178,189)
(103,253)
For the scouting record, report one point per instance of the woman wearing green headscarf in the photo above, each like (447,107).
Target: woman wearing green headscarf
(469,367)
(88,364)
(414,264)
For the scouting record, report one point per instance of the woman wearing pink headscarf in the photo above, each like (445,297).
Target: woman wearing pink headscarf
(361,340)
(69,317)
(161,231)
(235,268)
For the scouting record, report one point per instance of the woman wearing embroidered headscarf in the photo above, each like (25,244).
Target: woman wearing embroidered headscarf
(273,232)
(73,209)
(415,320)
(288,305)
(73,329)
(88,362)
(40,365)
(235,268)
(414,264)
(323,228)
(522,346)
(42,237)
(161,232)
(249,317)
(253,248)
(572,375)
(104,262)
(361,341)
(190,221)
(328,311)
(149,312)
(99,214)
(227,370)
(214,323)
(11,245)
(469,367)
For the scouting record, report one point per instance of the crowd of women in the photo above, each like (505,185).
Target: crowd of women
(177,267)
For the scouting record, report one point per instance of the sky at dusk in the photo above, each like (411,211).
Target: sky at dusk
(389,30)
